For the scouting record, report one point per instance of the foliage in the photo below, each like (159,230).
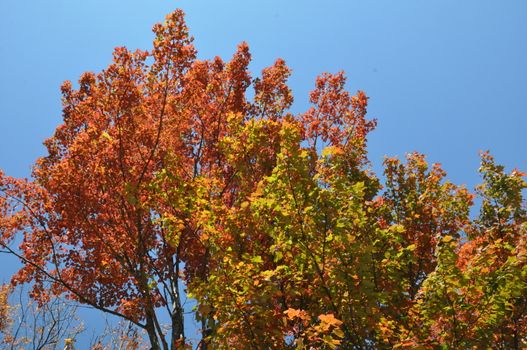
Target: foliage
(4,307)
(165,171)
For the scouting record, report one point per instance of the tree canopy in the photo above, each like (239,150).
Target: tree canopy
(169,172)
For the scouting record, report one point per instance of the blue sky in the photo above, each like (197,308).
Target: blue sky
(446,78)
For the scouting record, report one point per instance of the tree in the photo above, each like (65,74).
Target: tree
(94,220)
(123,336)
(45,326)
(476,298)
(164,172)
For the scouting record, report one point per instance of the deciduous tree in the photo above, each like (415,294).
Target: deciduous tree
(26,324)
(165,171)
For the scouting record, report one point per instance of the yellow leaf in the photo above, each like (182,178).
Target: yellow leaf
(331,150)
(447,238)
(292,313)
(106,136)
(338,332)
(330,319)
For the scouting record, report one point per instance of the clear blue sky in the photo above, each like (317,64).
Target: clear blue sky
(446,77)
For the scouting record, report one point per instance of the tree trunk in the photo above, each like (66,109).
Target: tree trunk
(152,335)
(178,326)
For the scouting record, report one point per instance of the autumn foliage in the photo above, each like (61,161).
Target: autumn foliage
(165,175)
(4,307)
